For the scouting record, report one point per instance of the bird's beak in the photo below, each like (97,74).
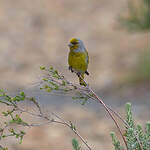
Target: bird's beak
(70,44)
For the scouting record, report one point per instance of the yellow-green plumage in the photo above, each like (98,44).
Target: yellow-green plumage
(78,59)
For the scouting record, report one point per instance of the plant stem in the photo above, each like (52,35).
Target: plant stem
(110,114)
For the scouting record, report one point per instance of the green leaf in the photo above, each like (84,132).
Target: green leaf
(45,79)
(48,89)
(5,114)
(42,68)
(129,117)
(147,126)
(75,144)
(63,83)
(46,86)
(2,92)
(22,94)
(72,126)
(50,68)
(56,72)
(116,142)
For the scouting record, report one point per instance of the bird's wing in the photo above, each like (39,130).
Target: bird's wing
(87,57)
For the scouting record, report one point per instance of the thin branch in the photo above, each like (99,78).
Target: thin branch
(8,104)
(115,113)
(127,125)
(138,140)
(63,122)
(107,109)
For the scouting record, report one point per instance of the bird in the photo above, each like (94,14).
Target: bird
(78,59)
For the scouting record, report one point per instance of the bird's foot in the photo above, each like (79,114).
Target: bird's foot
(86,72)
(70,68)
(78,74)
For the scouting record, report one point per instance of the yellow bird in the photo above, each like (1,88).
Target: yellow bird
(78,59)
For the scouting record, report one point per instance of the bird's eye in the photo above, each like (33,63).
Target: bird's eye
(74,42)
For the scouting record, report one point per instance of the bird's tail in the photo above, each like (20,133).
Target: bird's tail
(81,80)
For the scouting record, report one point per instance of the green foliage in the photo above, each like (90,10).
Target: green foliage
(11,101)
(12,117)
(139,15)
(147,128)
(136,137)
(75,144)
(57,83)
(116,142)
(129,117)
(18,135)
(130,136)
(42,67)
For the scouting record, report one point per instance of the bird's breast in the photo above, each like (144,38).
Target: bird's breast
(78,61)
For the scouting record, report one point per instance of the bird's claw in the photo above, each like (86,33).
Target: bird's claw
(86,72)
(78,74)
(70,68)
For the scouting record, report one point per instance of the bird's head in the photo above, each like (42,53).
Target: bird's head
(76,43)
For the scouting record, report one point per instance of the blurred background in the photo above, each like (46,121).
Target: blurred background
(116,33)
